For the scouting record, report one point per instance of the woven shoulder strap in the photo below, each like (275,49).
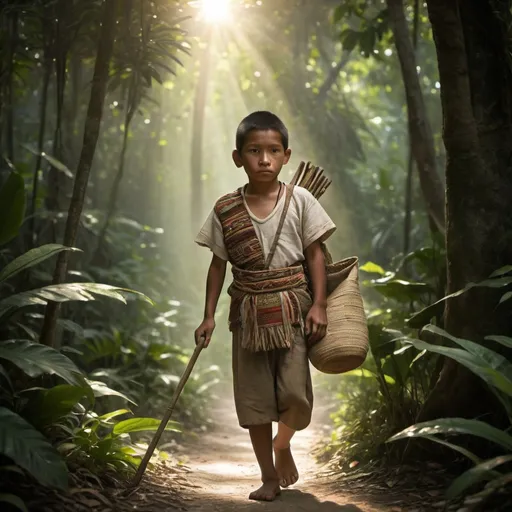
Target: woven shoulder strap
(289,194)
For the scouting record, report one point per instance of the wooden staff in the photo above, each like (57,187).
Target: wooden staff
(167,416)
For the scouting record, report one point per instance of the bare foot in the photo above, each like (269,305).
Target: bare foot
(285,466)
(267,492)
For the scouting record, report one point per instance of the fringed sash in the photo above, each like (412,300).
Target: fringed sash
(265,304)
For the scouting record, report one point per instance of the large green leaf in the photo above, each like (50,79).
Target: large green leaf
(400,290)
(480,473)
(505,297)
(493,359)
(109,415)
(471,361)
(32,258)
(425,315)
(453,426)
(382,341)
(54,162)
(14,500)
(470,455)
(36,359)
(52,404)
(101,389)
(143,424)
(63,293)
(507,269)
(503,340)
(372,268)
(12,207)
(28,448)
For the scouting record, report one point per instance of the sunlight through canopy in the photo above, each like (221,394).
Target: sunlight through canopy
(215,11)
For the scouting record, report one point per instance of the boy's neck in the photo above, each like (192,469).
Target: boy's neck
(262,188)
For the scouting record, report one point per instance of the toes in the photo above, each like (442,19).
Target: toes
(264,495)
(292,479)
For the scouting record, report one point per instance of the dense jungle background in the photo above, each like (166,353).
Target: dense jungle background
(117,121)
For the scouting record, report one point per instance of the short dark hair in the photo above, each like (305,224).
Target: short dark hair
(260,120)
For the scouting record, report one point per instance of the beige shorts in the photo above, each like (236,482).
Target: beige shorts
(272,386)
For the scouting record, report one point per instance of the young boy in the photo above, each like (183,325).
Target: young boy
(274,314)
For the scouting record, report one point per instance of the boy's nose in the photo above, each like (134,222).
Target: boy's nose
(265,160)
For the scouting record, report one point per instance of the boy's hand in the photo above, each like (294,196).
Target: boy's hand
(316,323)
(205,330)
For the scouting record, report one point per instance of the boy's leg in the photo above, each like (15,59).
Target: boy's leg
(295,403)
(285,465)
(256,407)
(261,438)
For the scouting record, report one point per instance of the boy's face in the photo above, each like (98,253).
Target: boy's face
(262,155)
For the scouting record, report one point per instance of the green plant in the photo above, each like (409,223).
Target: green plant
(101,444)
(34,417)
(57,293)
(496,371)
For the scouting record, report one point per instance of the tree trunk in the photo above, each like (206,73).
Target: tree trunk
(72,141)
(40,142)
(59,53)
(408,202)
(476,92)
(91,134)
(3,68)
(420,132)
(410,159)
(114,192)
(13,43)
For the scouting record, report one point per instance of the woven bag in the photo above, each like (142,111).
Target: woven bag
(345,345)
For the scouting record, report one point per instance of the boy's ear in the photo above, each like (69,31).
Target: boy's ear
(287,155)
(237,159)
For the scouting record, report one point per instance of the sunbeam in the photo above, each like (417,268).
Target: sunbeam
(215,11)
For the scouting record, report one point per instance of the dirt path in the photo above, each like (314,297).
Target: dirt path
(222,473)
(216,471)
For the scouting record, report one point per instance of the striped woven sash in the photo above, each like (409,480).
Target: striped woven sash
(266,304)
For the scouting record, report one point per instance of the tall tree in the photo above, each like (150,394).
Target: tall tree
(421,139)
(47,46)
(472,42)
(13,37)
(91,133)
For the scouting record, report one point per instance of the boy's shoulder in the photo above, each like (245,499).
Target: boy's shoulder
(227,201)
(302,195)
(302,192)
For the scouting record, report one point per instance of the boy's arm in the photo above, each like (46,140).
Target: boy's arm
(316,320)
(214,283)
